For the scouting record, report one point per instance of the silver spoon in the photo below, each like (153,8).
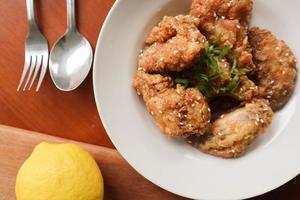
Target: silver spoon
(71,57)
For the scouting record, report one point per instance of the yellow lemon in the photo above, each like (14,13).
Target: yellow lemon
(59,172)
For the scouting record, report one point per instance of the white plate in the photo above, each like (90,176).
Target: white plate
(171,164)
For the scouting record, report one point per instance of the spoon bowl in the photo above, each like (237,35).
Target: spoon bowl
(70,60)
(72,55)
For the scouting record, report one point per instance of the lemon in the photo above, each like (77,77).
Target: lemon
(59,172)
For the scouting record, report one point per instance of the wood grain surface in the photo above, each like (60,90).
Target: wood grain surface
(122,182)
(71,115)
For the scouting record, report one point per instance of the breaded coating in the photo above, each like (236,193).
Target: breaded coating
(177,111)
(231,34)
(246,91)
(233,132)
(172,45)
(228,31)
(150,85)
(211,10)
(276,74)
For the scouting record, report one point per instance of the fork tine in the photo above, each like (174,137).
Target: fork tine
(28,60)
(43,71)
(32,66)
(36,70)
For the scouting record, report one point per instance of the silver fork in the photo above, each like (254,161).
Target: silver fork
(36,52)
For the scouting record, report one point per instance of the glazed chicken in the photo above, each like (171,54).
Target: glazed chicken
(176,110)
(276,74)
(234,131)
(172,45)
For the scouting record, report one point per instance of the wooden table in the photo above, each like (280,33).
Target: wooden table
(71,115)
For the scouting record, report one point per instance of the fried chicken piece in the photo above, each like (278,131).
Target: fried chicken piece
(172,45)
(231,34)
(233,132)
(211,10)
(228,20)
(276,73)
(177,111)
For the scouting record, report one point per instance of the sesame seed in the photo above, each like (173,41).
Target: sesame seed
(277,48)
(222,17)
(152,113)
(262,121)
(256,123)
(233,151)
(138,93)
(161,59)
(189,141)
(283,72)
(190,125)
(160,112)
(175,52)
(269,97)
(193,105)
(238,26)
(208,109)
(287,54)
(220,133)
(179,114)
(222,116)
(181,123)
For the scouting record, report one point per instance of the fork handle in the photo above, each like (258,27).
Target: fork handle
(71,19)
(30,11)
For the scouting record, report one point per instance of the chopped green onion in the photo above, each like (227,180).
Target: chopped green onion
(233,84)
(217,39)
(224,52)
(203,77)
(203,89)
(182,81)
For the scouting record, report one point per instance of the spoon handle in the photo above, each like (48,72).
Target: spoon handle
(71,19)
